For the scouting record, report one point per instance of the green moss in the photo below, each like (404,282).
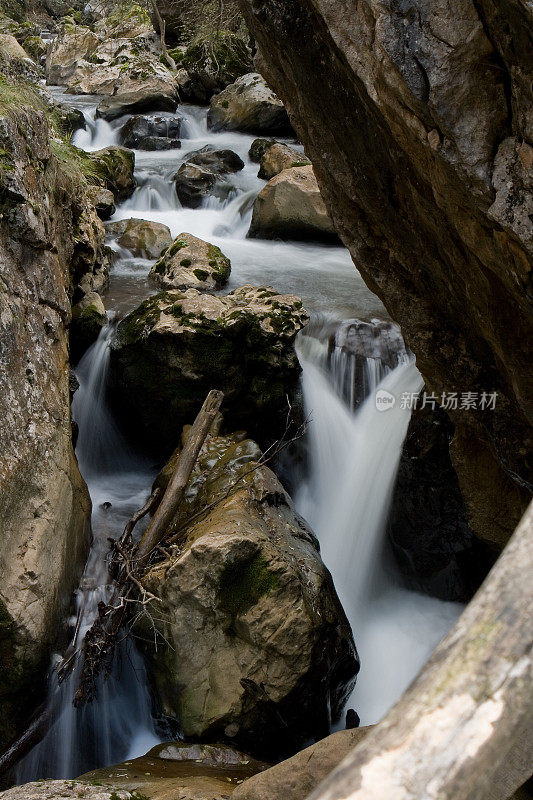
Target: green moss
(243,583)
(176,246)
(300,164)
(220,264)
(201,274)
(185,262)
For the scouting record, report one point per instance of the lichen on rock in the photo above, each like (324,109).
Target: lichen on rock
(191,263)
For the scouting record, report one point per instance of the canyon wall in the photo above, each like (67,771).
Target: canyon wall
(48,233)
(418,118)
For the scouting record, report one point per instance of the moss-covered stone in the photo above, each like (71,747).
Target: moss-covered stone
(190,262)
(177,345)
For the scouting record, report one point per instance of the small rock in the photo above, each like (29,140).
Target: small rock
(248,105)
(258,148)
(291,207)
(192,263)
(159,143)
(88,318)
(116,165)
(69,790)
(140,127)
(142,238)
(278,157)
(203,174)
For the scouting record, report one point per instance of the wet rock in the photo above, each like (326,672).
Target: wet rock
(222,162)
(258,149)
(47,228)
(259,651)
(118,57)
(428,526)
(88,319)
(146,99)
(278,157)
(297,777)
(291,207)
(248,105)
(211,64)
(408,134)
(142,238)
(203,174)
(70,119)
(159,143)
(103,201)
(75,790)
(176,769)
(140,127)
(116,165)
(176,346)
(192,263)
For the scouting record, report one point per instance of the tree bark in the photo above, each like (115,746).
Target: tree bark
(464,729)
(166,510)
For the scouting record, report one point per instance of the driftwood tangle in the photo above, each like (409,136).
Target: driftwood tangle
(464,729)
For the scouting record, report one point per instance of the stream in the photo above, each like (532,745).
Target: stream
(344,494)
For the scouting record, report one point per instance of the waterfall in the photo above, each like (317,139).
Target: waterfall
(354,452)
(118,723)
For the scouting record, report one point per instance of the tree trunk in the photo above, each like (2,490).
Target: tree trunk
(464,729)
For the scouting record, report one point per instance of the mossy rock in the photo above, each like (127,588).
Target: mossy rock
(177,345)
(190,262)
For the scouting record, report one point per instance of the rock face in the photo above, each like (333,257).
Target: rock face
(178,771)
(203,175)
(260,652)
(138,128)
(248,105)
(49,235)
(191,263)
(420,134)
(278,157)
(142,238)
(297,777)
(119,58)
(291,207)
(176,346)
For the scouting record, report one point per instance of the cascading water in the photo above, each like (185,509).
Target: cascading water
(354,457)
(117,724)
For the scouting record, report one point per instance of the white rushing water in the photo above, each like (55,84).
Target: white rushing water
(354,457)
(118,723)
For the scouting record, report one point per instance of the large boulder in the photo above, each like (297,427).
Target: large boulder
(116,166)
(297,777)
(255,647)
(176,346)
(278,157)
(203,174)
(191,263)
(119,56)
(248,105)
(142,238)
(290,206)
(140,127)
(180,771)
(424,154)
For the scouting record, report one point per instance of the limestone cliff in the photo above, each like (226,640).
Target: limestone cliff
(418,119)
(48,233)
